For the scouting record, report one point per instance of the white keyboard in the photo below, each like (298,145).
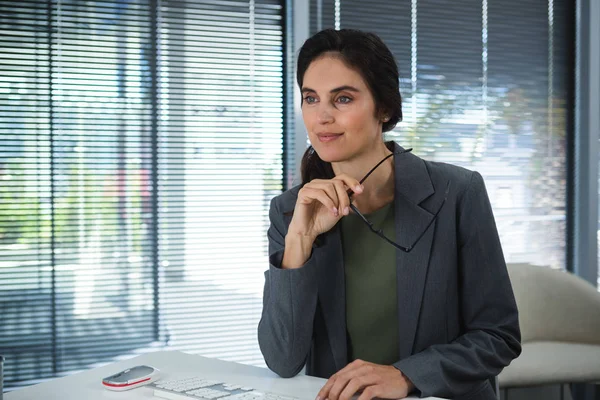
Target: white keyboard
(196,388)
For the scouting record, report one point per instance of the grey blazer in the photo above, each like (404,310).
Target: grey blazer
(456,309)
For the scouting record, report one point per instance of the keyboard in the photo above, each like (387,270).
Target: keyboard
(197,388)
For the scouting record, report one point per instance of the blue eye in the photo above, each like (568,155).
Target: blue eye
(310,99)
(344,99)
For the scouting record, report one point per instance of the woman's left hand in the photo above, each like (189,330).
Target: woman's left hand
(373,380)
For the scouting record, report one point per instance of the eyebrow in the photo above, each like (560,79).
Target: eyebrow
(337,89)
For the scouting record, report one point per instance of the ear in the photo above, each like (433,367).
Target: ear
(383,116)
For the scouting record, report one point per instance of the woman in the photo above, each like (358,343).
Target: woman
(425,306)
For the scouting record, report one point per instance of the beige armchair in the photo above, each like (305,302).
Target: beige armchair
(559,314)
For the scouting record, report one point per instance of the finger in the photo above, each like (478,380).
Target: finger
(344,379)
(338,386)
(371,392)
(353,184)
(343,199)
(356,384)
(324,392)
(329,188)
(309,195)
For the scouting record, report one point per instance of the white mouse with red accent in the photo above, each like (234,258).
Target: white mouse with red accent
(131,378)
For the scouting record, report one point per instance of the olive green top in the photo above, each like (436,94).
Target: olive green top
(371,293)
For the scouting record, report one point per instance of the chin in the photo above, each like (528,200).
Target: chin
(331,154)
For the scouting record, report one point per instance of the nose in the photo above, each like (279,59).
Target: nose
(324,114)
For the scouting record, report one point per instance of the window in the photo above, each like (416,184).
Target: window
(137,168)
(485,86)
(76,263)
(220,163)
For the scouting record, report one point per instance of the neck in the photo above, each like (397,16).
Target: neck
(379,186)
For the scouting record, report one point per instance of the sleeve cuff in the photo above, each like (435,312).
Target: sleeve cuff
(410,367)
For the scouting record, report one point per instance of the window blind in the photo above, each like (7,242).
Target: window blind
(485,85)
(220,163)
(75,259)
(137,167)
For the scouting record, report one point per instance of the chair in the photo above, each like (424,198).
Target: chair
(559,314)
(494,383)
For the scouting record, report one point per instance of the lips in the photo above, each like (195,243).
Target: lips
(328,136)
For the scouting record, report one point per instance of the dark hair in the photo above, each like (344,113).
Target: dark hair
(370,57)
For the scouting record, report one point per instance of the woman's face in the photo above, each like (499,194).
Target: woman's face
(338,111)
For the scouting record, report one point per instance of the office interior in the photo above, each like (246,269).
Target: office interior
(142,141)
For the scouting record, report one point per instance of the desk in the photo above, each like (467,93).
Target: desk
(86,385)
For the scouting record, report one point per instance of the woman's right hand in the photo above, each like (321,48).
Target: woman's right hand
(320,205)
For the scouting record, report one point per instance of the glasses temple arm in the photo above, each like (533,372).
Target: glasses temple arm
(376,231)
(351,192)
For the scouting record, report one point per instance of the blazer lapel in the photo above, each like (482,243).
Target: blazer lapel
(412,186)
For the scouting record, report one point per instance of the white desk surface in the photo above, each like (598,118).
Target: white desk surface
(87,385)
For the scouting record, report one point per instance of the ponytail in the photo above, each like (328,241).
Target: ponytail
(312,167)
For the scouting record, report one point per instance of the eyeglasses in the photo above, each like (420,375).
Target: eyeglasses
(379,232)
